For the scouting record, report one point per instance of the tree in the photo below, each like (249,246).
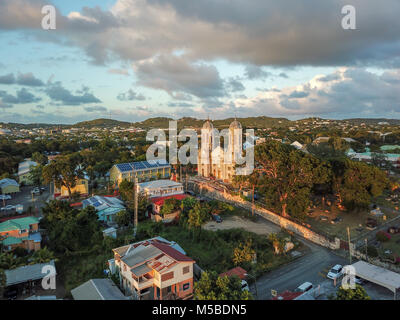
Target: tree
(126,189)
(3,281)
(36,175)
(64,171)
(122,218)
(286,176)
(358,293)
(356,183)
(9,261)
(170,205)
(42,256)
(198,216)
(39,158)
(243,253)
(213,287)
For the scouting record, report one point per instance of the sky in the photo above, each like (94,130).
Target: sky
(136,59)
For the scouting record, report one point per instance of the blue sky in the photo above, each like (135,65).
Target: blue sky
(135,59)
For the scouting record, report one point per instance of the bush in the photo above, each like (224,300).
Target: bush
(372,251)
(383,236)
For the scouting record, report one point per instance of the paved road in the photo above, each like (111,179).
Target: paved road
(312,267)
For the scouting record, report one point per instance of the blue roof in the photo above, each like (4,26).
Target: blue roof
(142,165)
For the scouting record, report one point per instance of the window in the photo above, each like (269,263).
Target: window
(186,286)
(167,276)
(186,269)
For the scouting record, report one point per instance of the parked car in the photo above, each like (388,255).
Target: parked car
(393,230)
(217,218)
(371,223)
(190,193)
(42,189)
(35,191)
(336,272)
(306,286)
(359,281)
(5,197)
(336,220)
(9,207)
(245,285)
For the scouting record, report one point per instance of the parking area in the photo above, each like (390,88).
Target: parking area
(25,198)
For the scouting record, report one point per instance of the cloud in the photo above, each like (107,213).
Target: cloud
(95,109)
(28,79)
(59,94)
(130,95)
(253,72)
(5,105)
(122,72)
(22,96)
(234,85)
(7,79)
(174,74)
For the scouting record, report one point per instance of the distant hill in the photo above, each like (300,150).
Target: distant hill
(373,121)
(102,123)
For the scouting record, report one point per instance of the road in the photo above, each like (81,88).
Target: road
(312,267)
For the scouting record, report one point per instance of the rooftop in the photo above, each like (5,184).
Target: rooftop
(142,165)
(98,289)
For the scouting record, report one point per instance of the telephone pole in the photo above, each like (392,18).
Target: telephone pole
(348,235)
(136,207)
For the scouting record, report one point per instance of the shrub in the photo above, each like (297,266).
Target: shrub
(372,251)
(383,236)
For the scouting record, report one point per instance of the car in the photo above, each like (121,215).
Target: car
(336,220)
(190,193)
(306,286)
(371,223)
(245,285)
(5,197)
(10,294)
(359,281)
(9,207)
(336,272)
(217,218)
(42,188)
(35,191)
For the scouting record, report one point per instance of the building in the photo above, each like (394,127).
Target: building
(8,186)
(106,207)
(158,203)
(82,188)
(21,232)
(24,169)
(154,269)
(160,188)
(211,161)
(143,171)
(98,289)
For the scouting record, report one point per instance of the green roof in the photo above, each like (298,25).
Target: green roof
(18,224)
(390,147)
(9,241)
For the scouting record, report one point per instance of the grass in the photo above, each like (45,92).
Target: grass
(393,245)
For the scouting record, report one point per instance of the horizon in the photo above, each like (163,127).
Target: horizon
(109,59)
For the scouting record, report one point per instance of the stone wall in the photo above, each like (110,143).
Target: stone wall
(287,224)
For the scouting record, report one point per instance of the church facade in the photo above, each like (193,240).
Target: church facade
(216,161)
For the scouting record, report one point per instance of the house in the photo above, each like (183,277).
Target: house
(8,186)
(237,271)
(110,232)
(106,207)
(143,171)
(158,203)
(24,169)
(82,188)
(21,232)
(160,188)
(154,270)
(98,289)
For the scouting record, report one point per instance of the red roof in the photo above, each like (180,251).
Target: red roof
(238,271)
(173,253)
(287,295)
(159,201)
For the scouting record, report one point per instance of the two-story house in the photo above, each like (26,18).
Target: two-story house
(21,232)
(154,270)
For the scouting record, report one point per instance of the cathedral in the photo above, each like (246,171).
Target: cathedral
(215,161)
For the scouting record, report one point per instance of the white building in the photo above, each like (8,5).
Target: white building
(160,188)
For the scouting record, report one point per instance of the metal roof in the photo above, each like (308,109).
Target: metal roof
(141,270)
(378,275)
(18,224)
(26,273)
(98,289)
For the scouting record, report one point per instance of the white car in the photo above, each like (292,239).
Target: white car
(5,197)
(306,286)
(9,207)
(336,272)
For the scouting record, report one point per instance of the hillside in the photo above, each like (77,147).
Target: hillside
(102,123)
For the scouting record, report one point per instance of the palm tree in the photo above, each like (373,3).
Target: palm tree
(42,256)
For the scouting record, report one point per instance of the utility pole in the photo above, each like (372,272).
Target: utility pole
(136,207)
(348,235)
(252,206)
(366,249)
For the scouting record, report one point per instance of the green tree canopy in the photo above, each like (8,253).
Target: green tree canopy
(358,293)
